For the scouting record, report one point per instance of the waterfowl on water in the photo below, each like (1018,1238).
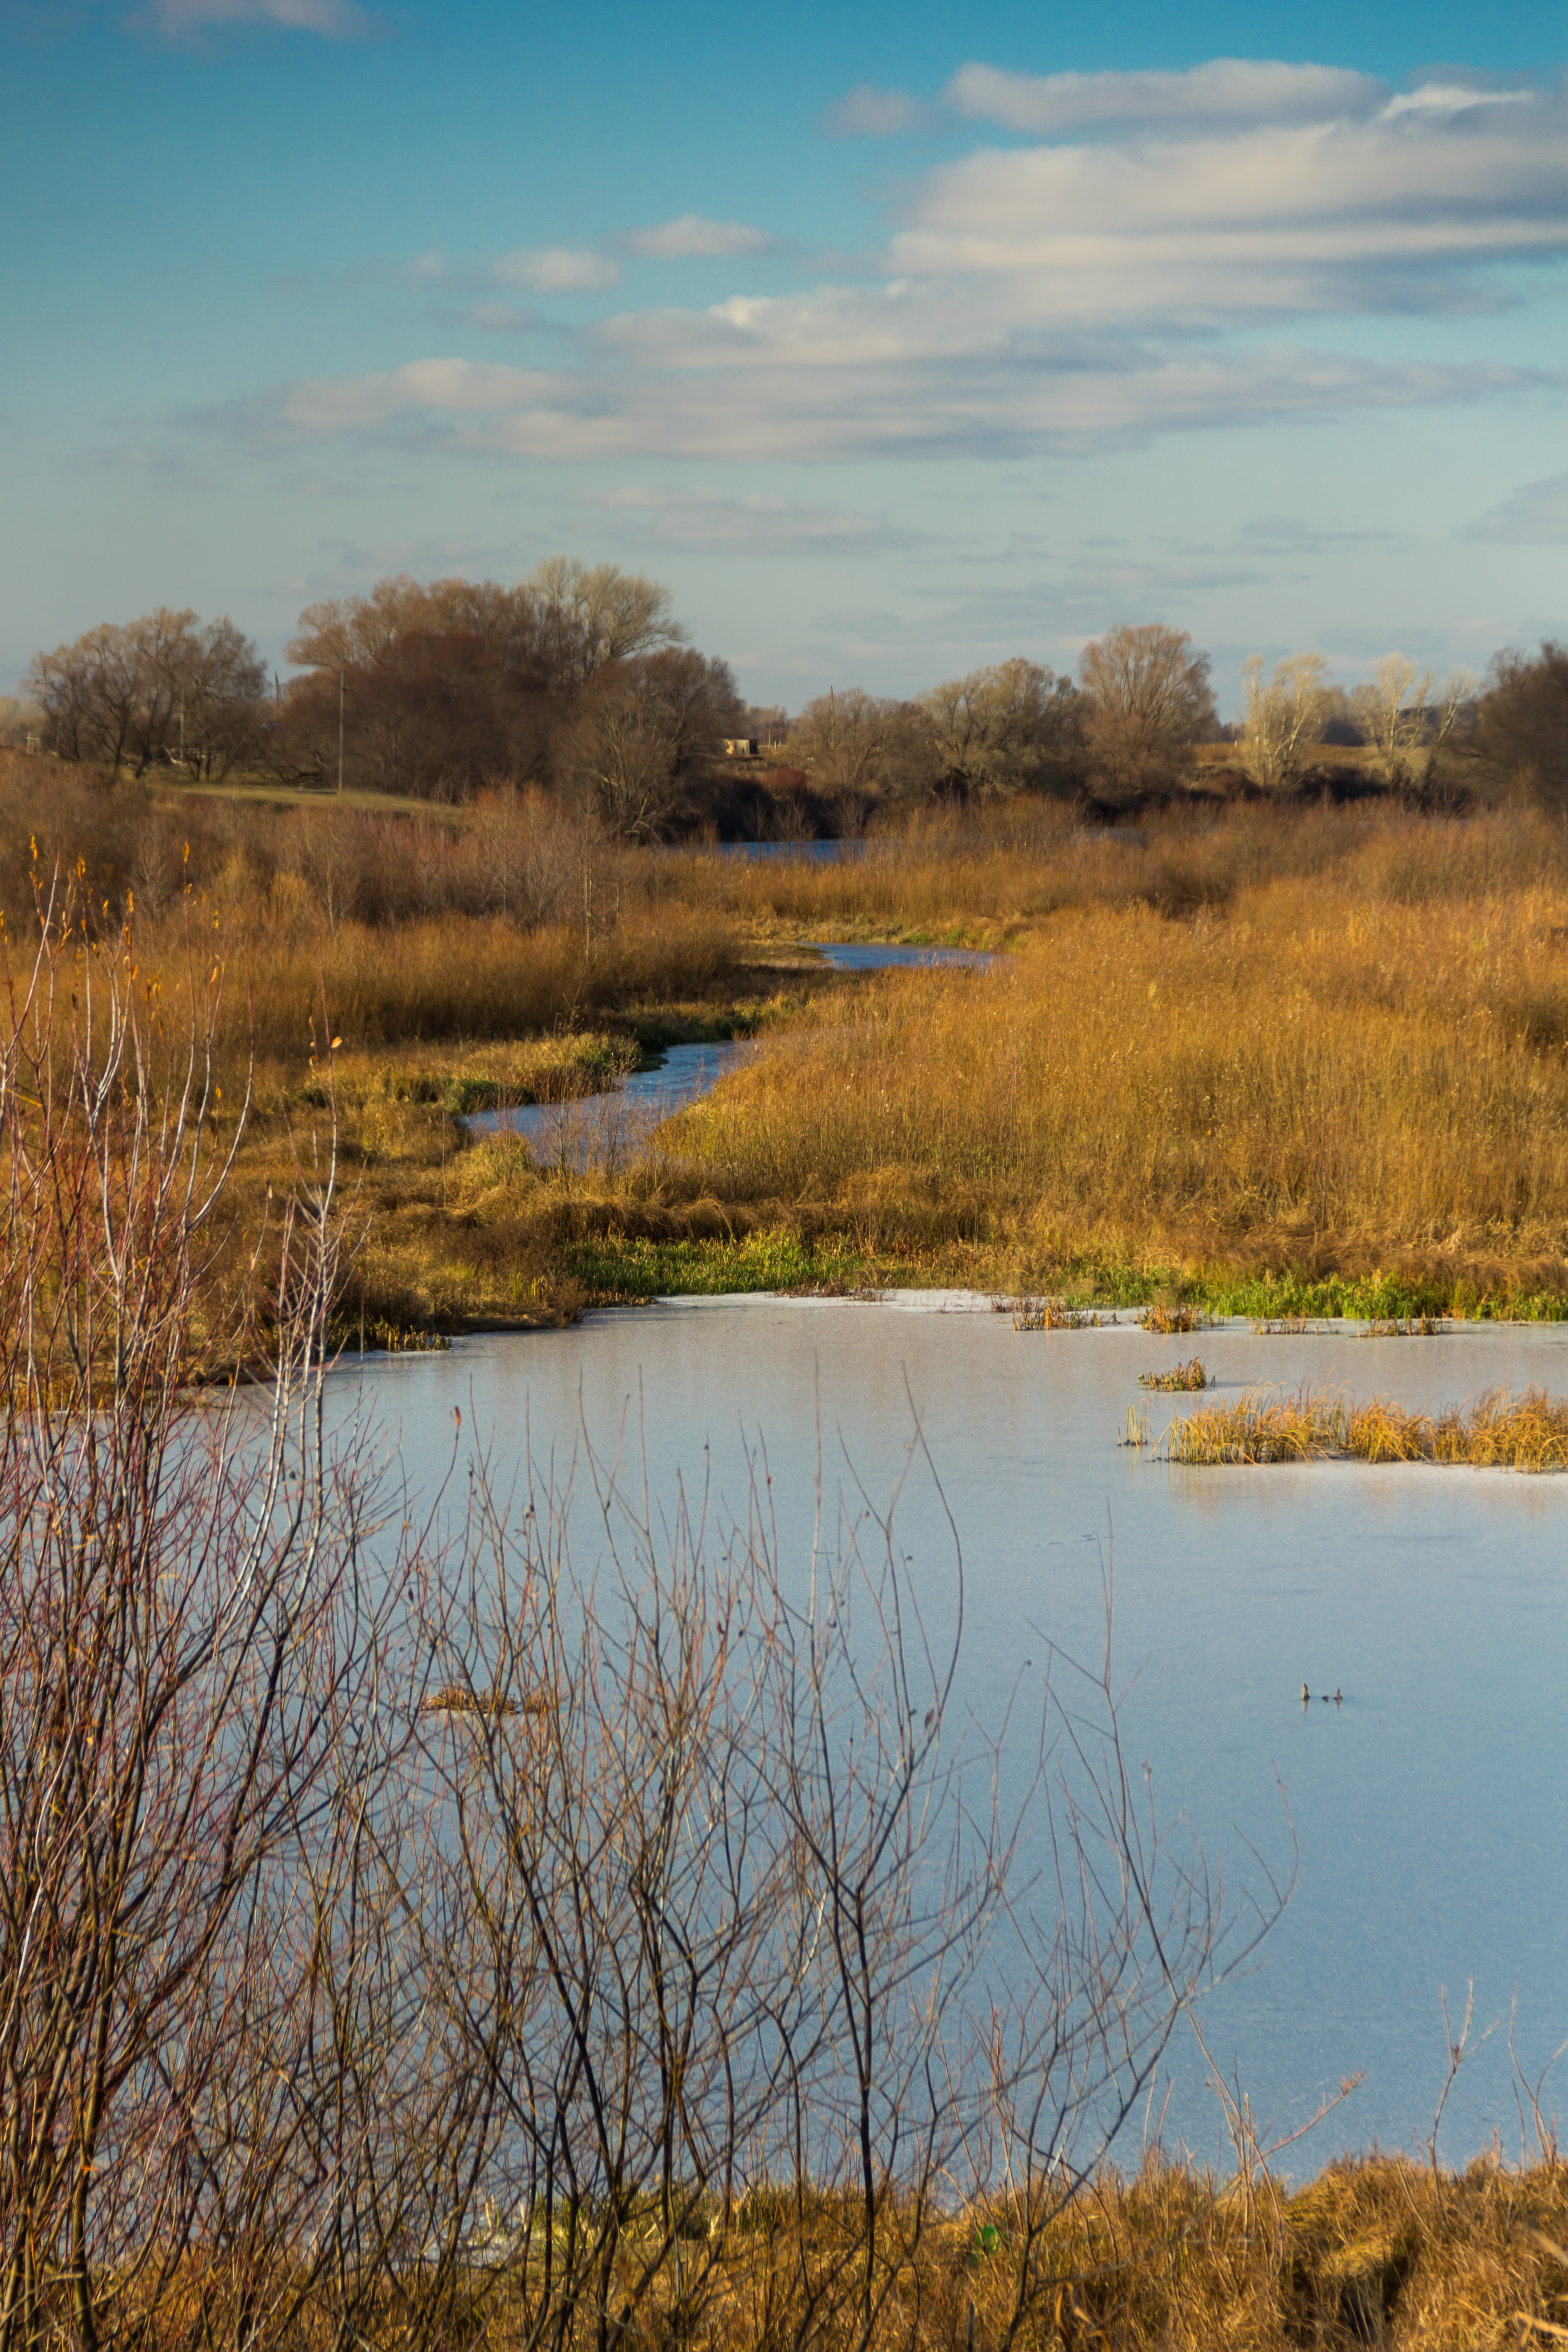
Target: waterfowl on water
(1306,1695)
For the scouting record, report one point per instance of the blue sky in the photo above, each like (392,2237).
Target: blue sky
(896,339)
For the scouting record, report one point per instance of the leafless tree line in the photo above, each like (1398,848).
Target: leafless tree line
(414,1934)
(159,690)
(579,681)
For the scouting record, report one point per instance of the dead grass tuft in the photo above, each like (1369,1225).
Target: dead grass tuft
(1190,1375)
(1404,1326)
(1170,1320)
(1051,1315)
(1499,1430)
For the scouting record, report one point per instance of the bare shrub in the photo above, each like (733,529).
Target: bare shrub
(394,1932)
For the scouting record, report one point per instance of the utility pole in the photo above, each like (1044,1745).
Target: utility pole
(342,676)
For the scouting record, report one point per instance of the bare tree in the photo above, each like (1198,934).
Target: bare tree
(399,615)
(1000,729)
(159,688)
(1520,740)
(1148,698)
(195,1666)
(644,730)
(1404,710)
(590,615)
(853,744)
(1282,718)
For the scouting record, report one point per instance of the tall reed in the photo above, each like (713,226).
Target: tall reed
(1365,1063)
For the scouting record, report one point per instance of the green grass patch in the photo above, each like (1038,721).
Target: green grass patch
(618,1270)
(1287,1295)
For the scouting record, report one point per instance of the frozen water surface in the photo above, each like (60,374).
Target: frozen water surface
(1428,1811)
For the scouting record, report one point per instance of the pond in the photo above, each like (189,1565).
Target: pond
(1427,1815)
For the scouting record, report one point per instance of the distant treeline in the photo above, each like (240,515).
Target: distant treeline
(580,682)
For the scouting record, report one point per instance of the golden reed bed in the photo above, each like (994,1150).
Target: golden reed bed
(1498,1430)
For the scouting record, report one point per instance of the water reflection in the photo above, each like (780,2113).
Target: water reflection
(1430,1810)
(607,1129)
(854,955)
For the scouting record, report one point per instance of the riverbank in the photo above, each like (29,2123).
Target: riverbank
(1379,2250)
(1283,1062)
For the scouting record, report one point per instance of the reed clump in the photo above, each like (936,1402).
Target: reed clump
(1404,1326)
(1168,1321)
(1052,1315)
(1190,1375)
(1499,1431)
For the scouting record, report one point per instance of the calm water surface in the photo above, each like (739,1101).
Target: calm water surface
(578,1132)
(594,1127)
(1428,1811)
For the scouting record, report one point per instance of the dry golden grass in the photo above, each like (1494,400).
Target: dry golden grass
(1052,1315)
(460,977)
(1379,2250)
(1365,1070)
(1299,1045)
(1497,1432)
(1190,1375)
(1404,1326)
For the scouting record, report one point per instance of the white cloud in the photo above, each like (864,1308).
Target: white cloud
(771,397)
(1538,512)
(868,112)
(1319,217)
(1227,89)
(1451,97)
(336,20)
(1043,297)
(321,407)
(756,521)
(691,238)
(500,319)
(557,269)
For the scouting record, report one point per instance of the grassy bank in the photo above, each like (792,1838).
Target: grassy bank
(1285,1064)
(1346,1093)
(1380,2250)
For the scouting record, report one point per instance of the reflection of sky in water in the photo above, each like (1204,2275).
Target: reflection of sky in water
(578,1132)
(1430,1810)
(854,955)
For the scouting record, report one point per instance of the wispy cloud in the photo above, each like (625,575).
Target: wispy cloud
(1227,89)
(869,113)
(557,269)
(1538,512)
(334,20)
(782,402)
(691,238)
(1320,217)
(1061,295)
(1294,535)
(757,522)
(1451,97)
